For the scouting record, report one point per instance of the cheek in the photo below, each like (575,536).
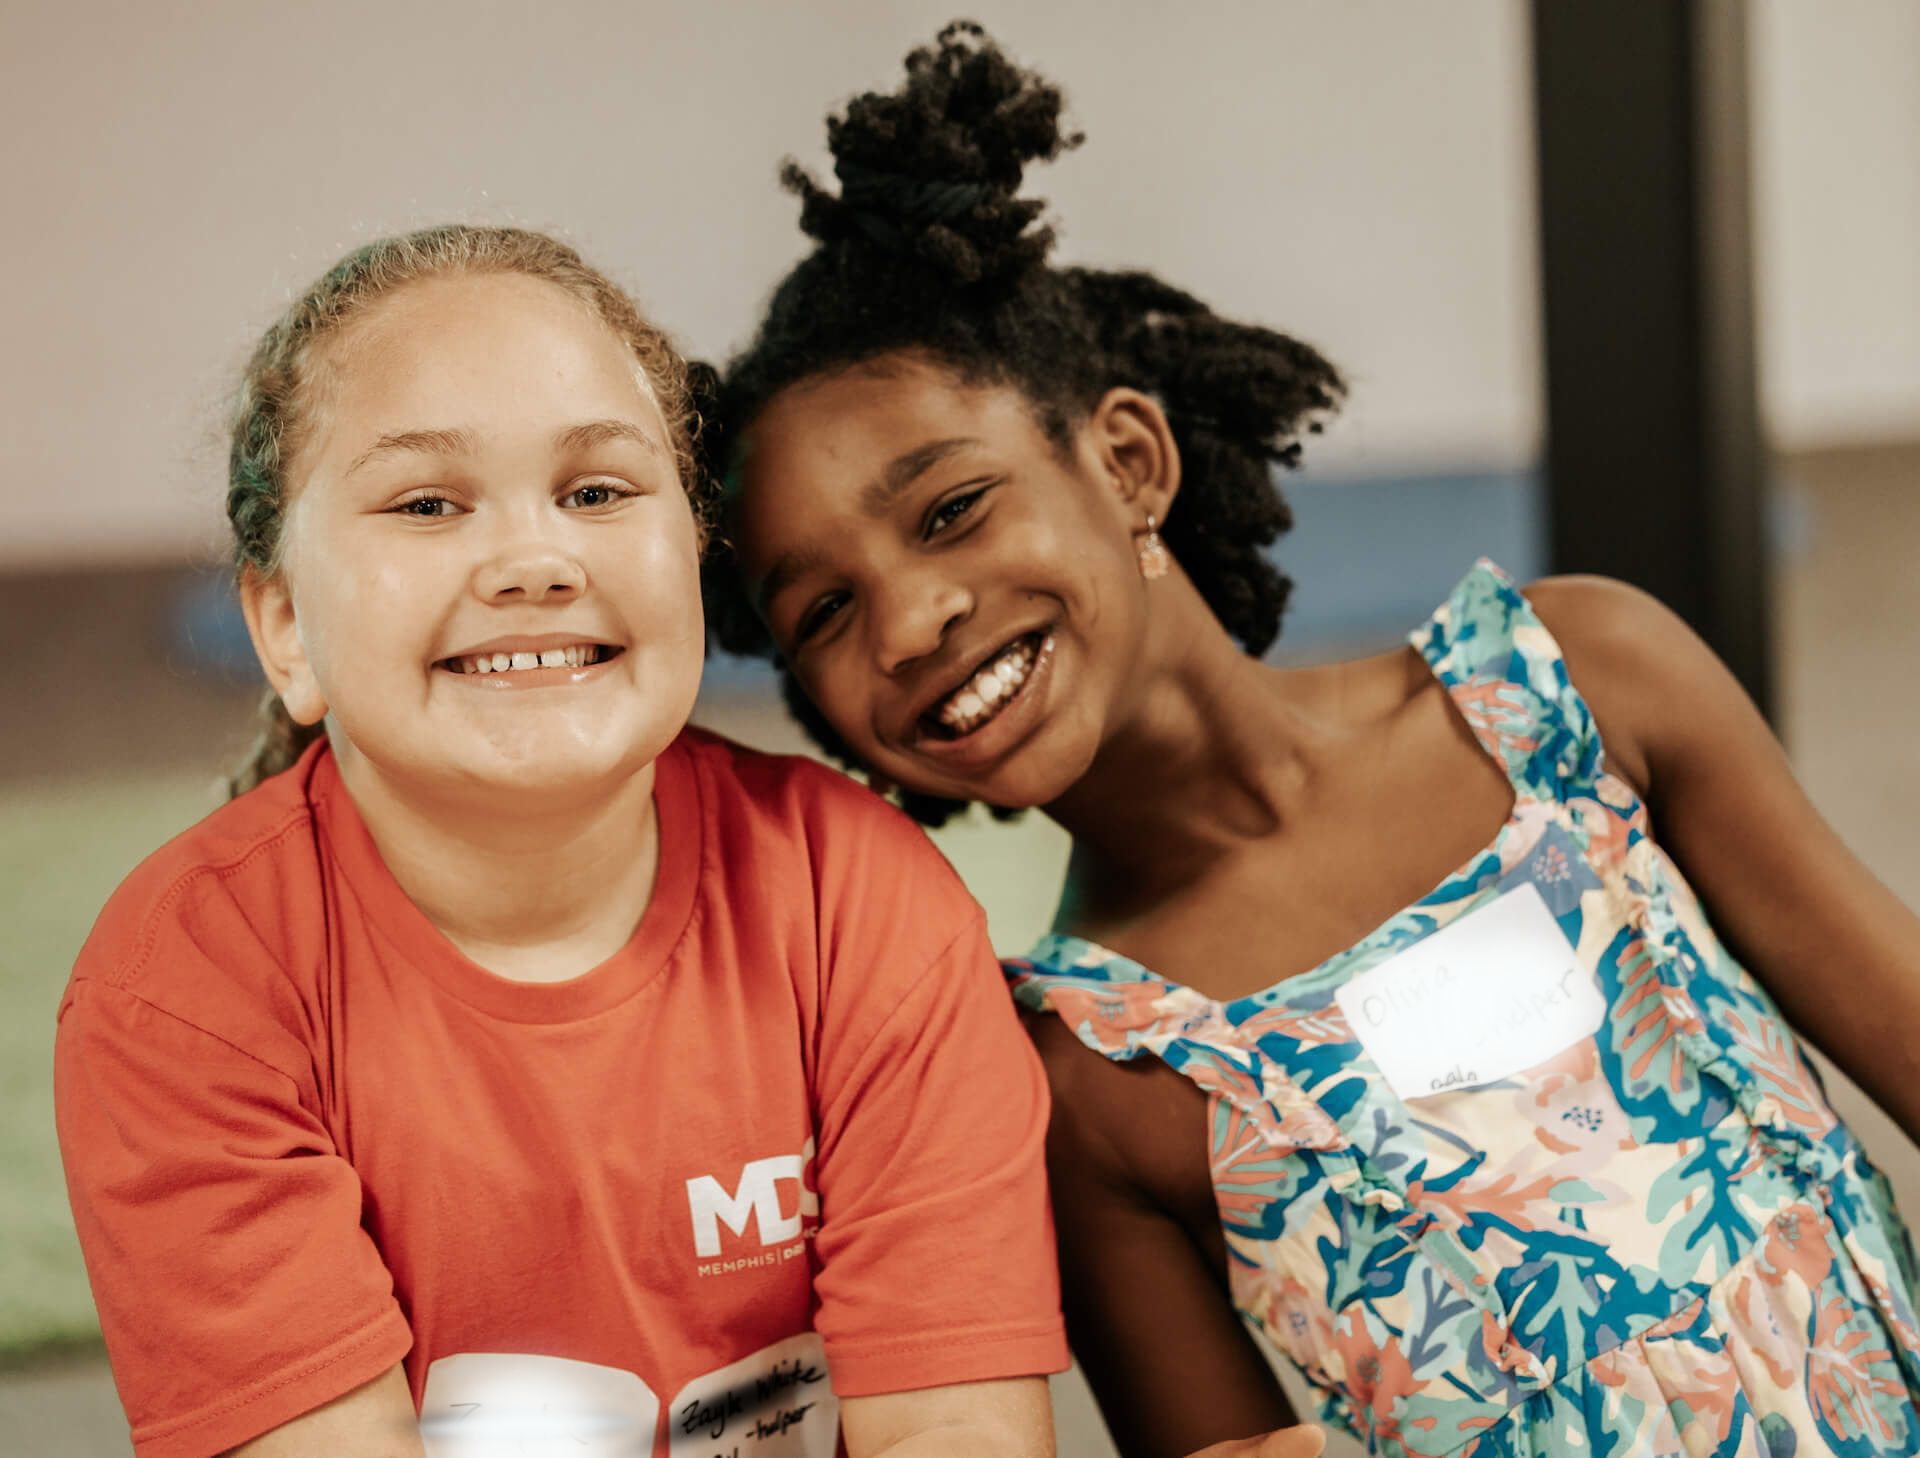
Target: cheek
(1105,563)
(379,612)
(675,556)
(841,694)
(659,575)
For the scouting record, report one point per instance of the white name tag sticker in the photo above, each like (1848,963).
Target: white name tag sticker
(777,1403)
(1492,994)
(501,1404)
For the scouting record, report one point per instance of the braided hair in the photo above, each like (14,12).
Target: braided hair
(927,250)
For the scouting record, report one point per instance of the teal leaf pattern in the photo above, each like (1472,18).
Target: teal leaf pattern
(1659,1242)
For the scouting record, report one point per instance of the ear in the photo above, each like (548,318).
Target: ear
(1134,443)
(275,630)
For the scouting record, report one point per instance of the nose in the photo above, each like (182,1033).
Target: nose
(913,616)
(529,570)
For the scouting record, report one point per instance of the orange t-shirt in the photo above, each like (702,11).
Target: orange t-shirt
(787,1144)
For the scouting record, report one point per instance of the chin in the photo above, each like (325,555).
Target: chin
(564,767)
(1036,776)
(565,780)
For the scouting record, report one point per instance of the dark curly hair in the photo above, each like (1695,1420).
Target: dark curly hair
(927,250)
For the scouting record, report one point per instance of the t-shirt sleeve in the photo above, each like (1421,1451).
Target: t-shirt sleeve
(221,1229)
(935,1247)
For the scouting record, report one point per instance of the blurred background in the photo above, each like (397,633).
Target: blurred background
(1621,288)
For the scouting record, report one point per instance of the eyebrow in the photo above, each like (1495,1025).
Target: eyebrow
(875,497)
(463,442)
(421,442)
(604,432)
(781,576)
(903,470)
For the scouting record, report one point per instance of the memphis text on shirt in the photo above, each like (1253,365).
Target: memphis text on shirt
(757,1199)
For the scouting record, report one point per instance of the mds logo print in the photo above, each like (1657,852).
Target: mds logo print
(756,1198)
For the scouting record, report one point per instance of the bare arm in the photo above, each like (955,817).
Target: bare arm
(1011,1418)
(1148,1313)
(372,1421)
(1834,947)
(1306,1442)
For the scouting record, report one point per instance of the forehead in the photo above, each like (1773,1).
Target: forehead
(854,421)
(437,349)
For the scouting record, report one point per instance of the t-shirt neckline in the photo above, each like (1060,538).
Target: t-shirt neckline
(405,927)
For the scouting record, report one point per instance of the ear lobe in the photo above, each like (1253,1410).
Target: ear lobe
(1138,451)
(275,629)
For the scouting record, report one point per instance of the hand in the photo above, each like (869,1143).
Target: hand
(1301,1442)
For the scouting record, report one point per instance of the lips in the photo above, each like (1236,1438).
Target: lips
(547,657)
(985,693)
(950,732)
(574,655)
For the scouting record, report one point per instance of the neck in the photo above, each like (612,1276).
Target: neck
(534,887)
(1213,749)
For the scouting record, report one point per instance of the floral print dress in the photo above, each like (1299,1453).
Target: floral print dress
(1659,1241)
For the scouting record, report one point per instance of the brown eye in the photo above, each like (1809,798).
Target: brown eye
(950,511)
(596,496)
(818,616)
(425,508)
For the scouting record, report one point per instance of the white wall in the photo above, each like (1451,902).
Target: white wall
(1836,118)
(1358,173)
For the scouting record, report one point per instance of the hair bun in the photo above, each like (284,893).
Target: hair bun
(930,171)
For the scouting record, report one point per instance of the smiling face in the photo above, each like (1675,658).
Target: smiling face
(959,595)
(491,568)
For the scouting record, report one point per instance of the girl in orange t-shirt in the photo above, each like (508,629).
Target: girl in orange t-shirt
(506,1049)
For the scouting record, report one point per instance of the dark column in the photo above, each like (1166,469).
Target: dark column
(1654,467)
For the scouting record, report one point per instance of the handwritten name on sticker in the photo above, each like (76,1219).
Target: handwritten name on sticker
(1491,994)
(776,1403)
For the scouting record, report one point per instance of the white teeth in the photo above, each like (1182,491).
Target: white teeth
(577,655)
(984,693)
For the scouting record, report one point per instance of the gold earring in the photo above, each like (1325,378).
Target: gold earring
(1154,558)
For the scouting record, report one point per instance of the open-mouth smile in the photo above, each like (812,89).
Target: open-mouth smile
(989,691)
(578,655)
(530,667)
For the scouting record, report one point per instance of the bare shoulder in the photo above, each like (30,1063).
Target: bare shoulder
(1643,672)
(1611,622)
(1079,1080)
(1136,1128)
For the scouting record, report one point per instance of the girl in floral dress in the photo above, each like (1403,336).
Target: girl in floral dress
(1379,1021)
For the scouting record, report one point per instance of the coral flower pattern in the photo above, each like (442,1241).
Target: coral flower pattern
(1659,1242)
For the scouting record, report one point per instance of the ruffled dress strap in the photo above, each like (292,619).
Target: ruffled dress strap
(1509,679)
(1118,1008)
